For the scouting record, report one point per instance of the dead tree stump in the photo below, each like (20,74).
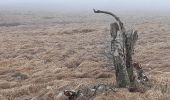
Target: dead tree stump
(130,40)
(122,47)
(118,51)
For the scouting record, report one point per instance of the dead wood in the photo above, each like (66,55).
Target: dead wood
(121,27)
(122,48)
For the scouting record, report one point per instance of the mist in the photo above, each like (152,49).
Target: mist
(86,5)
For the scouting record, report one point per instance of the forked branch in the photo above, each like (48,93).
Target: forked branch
(120,24)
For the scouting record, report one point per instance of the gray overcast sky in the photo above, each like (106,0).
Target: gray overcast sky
(149,5)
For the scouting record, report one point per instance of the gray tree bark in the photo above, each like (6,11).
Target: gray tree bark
(130,40)
(118,52)
(122,47)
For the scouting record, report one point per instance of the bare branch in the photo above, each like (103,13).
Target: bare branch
(121,27)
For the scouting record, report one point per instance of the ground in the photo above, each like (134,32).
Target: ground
(44,53)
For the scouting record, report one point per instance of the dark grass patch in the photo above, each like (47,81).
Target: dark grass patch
(48,17)
(77,31)
(165,47)
(9,24)
(83,30)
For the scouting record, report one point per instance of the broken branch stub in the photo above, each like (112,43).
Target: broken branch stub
(120,24)
(114,28)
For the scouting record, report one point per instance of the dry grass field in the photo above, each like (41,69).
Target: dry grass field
(44,53)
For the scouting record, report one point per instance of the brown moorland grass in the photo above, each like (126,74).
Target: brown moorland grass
(55,52)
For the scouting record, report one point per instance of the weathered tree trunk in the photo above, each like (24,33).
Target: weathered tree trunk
(130,40)
(122,47)
(118,52)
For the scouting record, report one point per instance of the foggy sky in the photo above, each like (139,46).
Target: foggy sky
(131,5)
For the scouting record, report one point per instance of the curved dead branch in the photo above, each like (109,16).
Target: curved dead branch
(121,27)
